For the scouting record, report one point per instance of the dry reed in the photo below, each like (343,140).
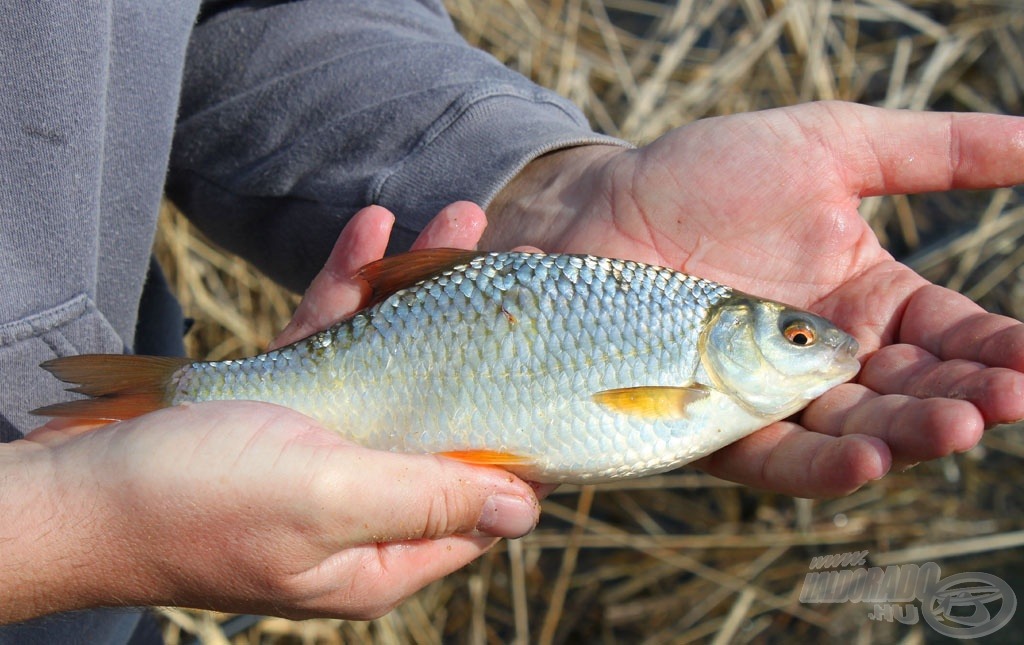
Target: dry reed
(684,557)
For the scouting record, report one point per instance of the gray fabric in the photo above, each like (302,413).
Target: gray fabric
(292,116)
(161,326)
(320,111)
(87,107)
(95,627)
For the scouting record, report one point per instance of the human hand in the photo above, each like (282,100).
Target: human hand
(767,202)
(335,293)
(244,506)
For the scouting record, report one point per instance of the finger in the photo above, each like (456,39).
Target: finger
(950,325)
(335,293)
(899,151)
(788,459)
(458,225)
(398,497)
(997,393)
(914,429)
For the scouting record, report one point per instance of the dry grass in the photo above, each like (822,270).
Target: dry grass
(683,557)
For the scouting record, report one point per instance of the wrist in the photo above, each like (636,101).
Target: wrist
(539,205)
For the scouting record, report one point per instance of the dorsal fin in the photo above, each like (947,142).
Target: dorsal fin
(391,274)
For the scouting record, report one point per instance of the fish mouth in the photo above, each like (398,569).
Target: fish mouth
(850,346)
(846,354)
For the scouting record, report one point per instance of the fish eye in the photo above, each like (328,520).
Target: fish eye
(800,333)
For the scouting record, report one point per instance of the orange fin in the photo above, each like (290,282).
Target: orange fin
(391,274)
(653,401)
(487,457)
(122,387)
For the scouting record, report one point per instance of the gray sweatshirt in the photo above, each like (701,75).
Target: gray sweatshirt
(268,123)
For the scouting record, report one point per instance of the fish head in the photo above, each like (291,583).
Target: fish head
(772,358)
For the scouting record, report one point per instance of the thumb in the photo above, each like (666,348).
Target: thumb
(406,497)
(418,518)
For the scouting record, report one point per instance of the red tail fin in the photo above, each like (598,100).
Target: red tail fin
(122,387)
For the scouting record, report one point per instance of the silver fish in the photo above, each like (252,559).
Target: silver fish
(560,368)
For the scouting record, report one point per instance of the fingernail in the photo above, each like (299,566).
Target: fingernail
(507,516)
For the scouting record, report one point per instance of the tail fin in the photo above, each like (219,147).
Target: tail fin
(121,387)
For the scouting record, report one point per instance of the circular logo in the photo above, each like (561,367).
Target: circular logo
(958,606)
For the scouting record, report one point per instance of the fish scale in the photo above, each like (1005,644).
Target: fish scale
(557,367)
(510,366)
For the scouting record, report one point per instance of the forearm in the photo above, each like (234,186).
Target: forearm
(51,553)
(389,106)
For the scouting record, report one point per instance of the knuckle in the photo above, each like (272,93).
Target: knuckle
(449,507)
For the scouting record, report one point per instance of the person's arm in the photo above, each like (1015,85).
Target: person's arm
(295,115)
(767,202)
(238,507)
(244,506)
(41,571)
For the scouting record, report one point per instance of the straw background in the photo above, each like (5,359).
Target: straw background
(684,557)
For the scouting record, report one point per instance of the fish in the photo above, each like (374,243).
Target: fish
(559,368)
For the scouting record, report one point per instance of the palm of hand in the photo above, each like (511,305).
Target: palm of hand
(767,203)
(740,202)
